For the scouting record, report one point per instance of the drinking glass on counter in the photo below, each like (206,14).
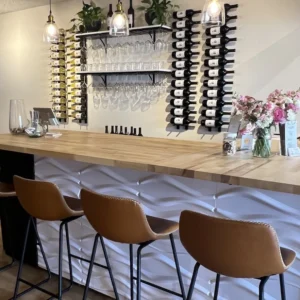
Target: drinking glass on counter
(18,121)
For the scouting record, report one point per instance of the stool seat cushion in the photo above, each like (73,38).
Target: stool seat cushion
(7,190)
(288,256)
(162,227)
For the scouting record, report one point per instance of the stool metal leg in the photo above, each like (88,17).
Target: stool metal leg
(109,268)
(192,285)
(69,256)
(217,287)
(139,266)
(282,287)
(131,272)
(177,267)
(263,281)
(87,284)
(60,256)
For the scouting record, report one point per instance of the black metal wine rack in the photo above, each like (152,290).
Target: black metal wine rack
(181,111)
(214,87)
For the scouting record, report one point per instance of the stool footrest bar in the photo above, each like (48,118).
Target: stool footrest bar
(88,261)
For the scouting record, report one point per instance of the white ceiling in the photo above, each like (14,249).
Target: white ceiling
(14,5)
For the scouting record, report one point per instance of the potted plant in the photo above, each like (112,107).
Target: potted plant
(157,11)
(88,19)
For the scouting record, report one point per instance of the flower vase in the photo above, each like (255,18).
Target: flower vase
(262,146)
(288,136)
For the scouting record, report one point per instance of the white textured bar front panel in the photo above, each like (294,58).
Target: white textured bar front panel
(166,196)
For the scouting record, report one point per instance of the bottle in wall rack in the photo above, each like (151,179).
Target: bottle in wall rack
(182,102)
(217,73)
(182,112)
(182,64)
(109,16)
(216,83)
(219,30)
(59,100)
(182,83)
(218,52)
(184,44)
(182,121)
(219,41)
(219,62)
(228,7)
(74,46)
(182,93)
(185,24)
(79,107)
(214,103)
(58,107)
(215,93)
(130,15)
(183,73)
(58,63)
(184,54)
(213,123)
(213,113)
(189,13)
(79,115)
(184,34)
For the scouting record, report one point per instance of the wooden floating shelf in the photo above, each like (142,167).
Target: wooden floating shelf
(132,31)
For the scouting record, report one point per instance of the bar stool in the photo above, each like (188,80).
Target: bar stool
(7,191)
(235,249)
(44,201)
(123,221)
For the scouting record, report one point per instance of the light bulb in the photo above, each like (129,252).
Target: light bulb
(51,33)
(214,8)
(119,21)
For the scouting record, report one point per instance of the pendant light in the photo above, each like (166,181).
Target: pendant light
(119,25)
(213,13)
(51,32)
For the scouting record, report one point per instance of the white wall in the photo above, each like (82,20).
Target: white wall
(267,57)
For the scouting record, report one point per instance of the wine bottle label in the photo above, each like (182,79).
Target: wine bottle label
(77,77)
(77,61)
(179,73)
(210,123)
(180,24)
(55,63)
(214,52)
(77,53)
(213,62)
(59,100)
(178,111)
(180,64)
(178,93)
(212,103)
(180,14)
(178,102)
(179,83)
(59,107)
(108,21)
(215,30)
(57,93)
(77,85)
(215,42)
(77,93)
(213,73)
(180,45)
(78,107)
(58,115)
(212,93)
(210,113)
(212,83)
(78,115)
(77,69)
(180,34)
(179,54)
(178,121)
(77,45)
(77,100)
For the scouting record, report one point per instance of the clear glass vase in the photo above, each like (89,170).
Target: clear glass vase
(262,146)
(36,129)
(18,121)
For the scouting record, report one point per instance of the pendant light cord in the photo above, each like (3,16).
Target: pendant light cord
(50,7)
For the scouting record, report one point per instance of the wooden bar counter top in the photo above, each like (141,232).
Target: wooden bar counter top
(191,159)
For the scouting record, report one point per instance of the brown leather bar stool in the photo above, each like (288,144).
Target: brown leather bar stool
(123,221)
(44,201)
(235,249)
(7,191)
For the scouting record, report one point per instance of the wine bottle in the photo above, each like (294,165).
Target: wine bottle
(77,107)
(60,115)
(184,54)
(58,85)
(58,63)
(183,73)
(219,30)
(229,18)
(185,24)
(140,132)
(58,47)
(74,46)
(213,103)
(60,70)
(216,83)
(213,123)
(182,93)
(130,15)
(109,16)
(189,13)
(79,115)
(184,34)
(77,100)
(59,93)
(74,77)
(184,64)
(59,100)
(112,130)
(72,38)
(75,85)
(218,52)
(76,93)
(116,129)
(215,93)
(182,121)
(219,41)
(181,102)
(184,44)
(182,112)
(58,77)
(74,70)
(213,113)
(228,7)
(57,55)
(59,107)
(106,129)
(76,54)
(217,62)
(217,73)
(182,83)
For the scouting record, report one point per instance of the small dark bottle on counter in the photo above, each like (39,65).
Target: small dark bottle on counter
(116,129)
(121,130)
(106,129)
(134,131)
(125,131)
(140,132)
(131,131)
(112,130)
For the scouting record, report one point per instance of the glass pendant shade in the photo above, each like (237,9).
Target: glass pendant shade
(51,31)
(119,25)
(213,13)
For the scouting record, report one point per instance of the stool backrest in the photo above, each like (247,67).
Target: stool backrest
(41,200)
(117,219)
(231,248)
